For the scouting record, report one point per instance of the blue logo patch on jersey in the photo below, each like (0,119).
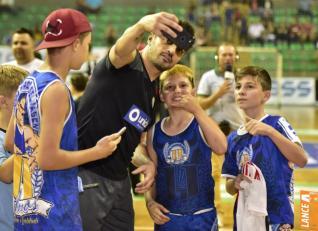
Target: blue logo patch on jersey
(137,118)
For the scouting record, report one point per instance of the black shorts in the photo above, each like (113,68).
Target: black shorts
(106,204)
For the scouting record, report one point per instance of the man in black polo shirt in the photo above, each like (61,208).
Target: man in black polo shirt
(122,93)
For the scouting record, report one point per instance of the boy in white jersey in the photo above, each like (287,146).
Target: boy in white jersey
(267,141)
(180,146)
(43,133)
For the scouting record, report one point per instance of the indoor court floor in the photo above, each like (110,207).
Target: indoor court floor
(304,119)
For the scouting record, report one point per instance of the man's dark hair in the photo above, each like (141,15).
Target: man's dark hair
(23,30)
(187,26)
(185,38)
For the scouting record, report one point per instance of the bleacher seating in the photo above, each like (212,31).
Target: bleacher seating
(298,59)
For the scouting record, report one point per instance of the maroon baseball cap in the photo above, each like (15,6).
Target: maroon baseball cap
(62,27)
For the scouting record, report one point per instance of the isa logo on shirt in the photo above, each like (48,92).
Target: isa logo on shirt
(137,118)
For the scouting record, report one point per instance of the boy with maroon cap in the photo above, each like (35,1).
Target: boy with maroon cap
(42,132)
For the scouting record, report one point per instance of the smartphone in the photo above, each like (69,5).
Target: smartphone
(122,130)
(183,41)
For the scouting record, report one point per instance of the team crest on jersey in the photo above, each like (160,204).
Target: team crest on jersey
(176,153)
(244,156)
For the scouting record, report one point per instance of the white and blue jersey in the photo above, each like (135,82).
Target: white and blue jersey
(277,170)
(184,184)
(43,200)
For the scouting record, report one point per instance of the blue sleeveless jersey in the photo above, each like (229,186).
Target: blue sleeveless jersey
(184,183)
(277,171)
(43,200)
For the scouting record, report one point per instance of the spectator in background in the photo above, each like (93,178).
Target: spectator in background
(254,7)
(243,38)
(269,33)
(294,31)
(240,19)
(213,14)
(89,6)
(191,14)
(78,82)
(281,32)
(206,2)
(304,7)
(201,33)
(23,50)
(255,31)
(267,14)
(110,35)
(260,7)
(302,30)
(215,93)
(240,26)
(213,24)
(7,6)
(228,20)
(307,31)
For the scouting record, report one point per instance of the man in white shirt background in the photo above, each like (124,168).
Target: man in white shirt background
(22,46)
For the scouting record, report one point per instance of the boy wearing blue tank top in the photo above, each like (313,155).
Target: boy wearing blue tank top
(180,145)
(42,132)
(269,142)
